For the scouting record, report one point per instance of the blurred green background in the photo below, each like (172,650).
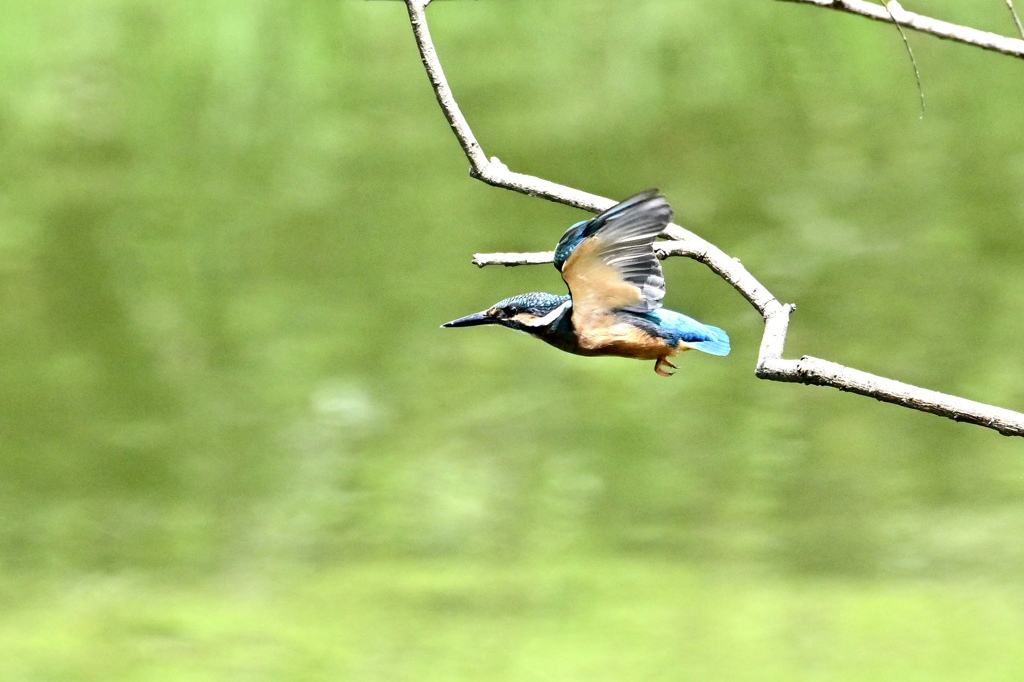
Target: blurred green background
(236,446)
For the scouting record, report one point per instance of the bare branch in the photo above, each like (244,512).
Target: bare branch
(440,84)
(662,250)
(770,364)
(892,13)
(808,370)
(511,259)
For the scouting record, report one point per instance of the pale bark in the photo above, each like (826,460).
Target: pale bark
(770,364)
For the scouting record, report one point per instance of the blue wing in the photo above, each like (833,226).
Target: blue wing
(608,262)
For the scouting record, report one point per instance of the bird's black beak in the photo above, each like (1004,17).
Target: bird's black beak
(472,320)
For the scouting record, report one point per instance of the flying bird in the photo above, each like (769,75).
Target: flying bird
(615,291)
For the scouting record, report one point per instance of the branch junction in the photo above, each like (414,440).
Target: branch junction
(681,242)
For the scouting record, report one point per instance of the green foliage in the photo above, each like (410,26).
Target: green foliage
(603,620)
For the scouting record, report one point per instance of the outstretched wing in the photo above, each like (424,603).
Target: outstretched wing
(609,262)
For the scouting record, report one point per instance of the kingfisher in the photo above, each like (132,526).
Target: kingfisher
(616,287)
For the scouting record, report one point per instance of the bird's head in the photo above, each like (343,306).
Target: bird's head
(533,313)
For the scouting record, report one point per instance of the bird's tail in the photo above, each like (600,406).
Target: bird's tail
(717,345)
(691,333)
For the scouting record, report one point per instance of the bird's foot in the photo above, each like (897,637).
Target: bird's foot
(659,367)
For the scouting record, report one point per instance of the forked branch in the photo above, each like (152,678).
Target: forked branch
(770,363)
(893,13)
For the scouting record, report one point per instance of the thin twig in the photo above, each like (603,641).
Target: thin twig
(906,43)
(1016,19)
(918,22)
(770,364)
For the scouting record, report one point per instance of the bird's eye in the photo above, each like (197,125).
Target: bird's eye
(511,311)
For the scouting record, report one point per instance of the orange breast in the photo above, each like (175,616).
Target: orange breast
(618,338)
